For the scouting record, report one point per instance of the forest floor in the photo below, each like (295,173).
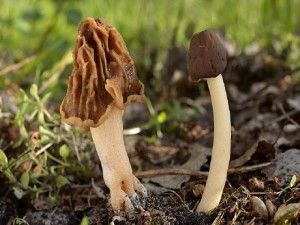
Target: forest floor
(263,183)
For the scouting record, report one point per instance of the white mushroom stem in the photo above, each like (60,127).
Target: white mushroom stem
(117,171)
(221,146)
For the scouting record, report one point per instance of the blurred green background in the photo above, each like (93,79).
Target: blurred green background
(44,32)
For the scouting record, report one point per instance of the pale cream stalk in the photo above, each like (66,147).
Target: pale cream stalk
(117,171)
(221,146)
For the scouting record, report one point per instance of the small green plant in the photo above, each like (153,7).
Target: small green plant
(290,185)
(84,221)
(48,153)
(32,109)
(20,221)
(3,160)
(163,120)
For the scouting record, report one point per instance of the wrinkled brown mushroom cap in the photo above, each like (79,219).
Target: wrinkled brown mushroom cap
(207,55)
(103,75)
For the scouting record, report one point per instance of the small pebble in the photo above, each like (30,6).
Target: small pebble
(259,207)
(256,184)
(271,208)
(286,213)
(290,128)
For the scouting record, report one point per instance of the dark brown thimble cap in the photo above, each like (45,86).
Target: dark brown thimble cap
(207,56)
(103,76)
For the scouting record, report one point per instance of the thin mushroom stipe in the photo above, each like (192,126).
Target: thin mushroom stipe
(221,146)
(103,82)
(207,60)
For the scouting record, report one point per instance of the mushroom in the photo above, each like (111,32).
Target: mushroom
(207,60)
(103,82)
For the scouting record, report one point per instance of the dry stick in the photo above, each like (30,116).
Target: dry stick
(251,221)
(63,63)
(51,26)
(245,157)
(17,66)
(43,149)
(274,81)
(71,196)
(76,150)
(160,172)
(218,218)
(246,169)
(288,116)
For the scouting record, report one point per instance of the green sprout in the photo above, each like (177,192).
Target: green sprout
(290,185)
(20,221)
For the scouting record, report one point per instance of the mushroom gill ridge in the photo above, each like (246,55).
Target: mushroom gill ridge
(100,55)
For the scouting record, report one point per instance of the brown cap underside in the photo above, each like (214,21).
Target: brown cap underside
(207,55)
(103,75)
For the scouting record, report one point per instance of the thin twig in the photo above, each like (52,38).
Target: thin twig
(43,149)
(53,23)
(252,221)
(63,63)
(76,149)
(218,218)
(287,116)
(17,66)
(247,169)
(162,172)
(235,217)
(272,82)
(245,157)
(282,117)
(87,196)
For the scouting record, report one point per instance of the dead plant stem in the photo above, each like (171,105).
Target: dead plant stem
(163,172)
(16,66)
